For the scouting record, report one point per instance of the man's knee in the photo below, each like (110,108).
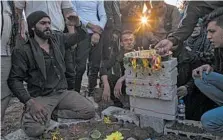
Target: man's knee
(34,129)
(205,80)
(89,111)
(209,123)
(81,69)
(207,77)
(93,70)
(200,82)
(31,127)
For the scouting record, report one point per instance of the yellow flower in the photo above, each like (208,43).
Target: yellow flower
(157,63)
(107,120)
(115,136)
(56,135)
(134,63)
(145,62)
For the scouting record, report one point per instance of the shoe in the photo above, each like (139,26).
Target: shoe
(91,99)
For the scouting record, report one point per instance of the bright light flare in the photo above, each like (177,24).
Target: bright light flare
(144,20)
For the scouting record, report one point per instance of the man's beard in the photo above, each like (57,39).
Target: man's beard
(46,34)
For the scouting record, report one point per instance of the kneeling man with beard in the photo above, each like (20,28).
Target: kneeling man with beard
(40,63)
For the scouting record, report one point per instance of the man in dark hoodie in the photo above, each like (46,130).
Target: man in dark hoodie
(210,79)
(40,63)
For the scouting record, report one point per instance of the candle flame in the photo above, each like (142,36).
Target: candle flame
(144,18)
(144,8)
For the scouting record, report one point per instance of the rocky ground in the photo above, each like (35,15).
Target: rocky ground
(12,117)
(84,130)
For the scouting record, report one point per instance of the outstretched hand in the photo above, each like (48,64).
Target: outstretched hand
(164,46)
(72,19)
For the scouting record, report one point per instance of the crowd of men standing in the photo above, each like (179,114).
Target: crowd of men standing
(55,42)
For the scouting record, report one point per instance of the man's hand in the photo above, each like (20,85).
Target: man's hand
(95,28)
(118,89)
(198,71)
(72,19)
(182,91)
(37,111)
(106,92)
(95,38)
(164,46)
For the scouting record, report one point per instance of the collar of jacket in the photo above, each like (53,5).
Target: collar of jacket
(39,58)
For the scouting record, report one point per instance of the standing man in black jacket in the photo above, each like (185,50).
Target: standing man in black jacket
(194,11)
(112,29)
(40,62)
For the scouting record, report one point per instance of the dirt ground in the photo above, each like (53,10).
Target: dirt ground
(12,117)
(83,130)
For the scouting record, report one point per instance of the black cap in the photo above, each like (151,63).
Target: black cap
(34,18)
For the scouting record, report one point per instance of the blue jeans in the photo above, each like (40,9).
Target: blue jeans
(212,86)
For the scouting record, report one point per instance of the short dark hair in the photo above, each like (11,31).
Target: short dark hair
(126,32)
(216,15)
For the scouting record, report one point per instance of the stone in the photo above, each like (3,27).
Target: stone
(156,123)
(152,113)
(154,92)
(190,129)
(17,135)
(167,67)
(160,85)
(131,138)
(126,116)
(170,64)
(162,78)
(69,122)
(159,107)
